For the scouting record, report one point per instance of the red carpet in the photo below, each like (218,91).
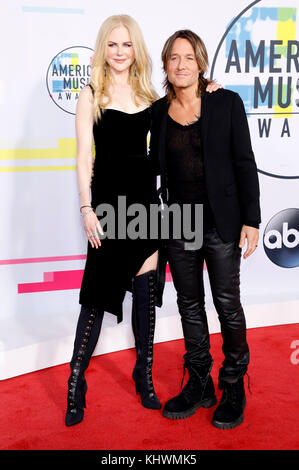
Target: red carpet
(33,405)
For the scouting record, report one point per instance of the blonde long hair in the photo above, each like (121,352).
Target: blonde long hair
(140,70)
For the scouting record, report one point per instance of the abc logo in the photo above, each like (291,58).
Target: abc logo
(281,238)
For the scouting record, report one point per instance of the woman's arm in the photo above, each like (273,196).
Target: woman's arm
(212,86)
(84,125)
(84,134)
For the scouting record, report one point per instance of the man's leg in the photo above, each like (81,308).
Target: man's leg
(223,263)
(186,268)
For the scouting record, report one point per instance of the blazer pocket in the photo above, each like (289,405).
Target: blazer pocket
(231,189)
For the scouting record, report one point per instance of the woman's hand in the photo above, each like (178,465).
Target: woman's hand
(213,86)
(92,229)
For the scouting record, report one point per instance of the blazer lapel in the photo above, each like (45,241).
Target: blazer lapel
(162,137)
(205,115)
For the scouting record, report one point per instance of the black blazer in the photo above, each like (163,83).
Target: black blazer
(230,169)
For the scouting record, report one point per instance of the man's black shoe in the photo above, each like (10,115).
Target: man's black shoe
(230,412)
(198,392)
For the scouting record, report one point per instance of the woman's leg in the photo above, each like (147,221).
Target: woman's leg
(143,323)
(149,264)
(87,334)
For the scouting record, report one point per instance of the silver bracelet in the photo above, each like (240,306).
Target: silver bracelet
(86,212)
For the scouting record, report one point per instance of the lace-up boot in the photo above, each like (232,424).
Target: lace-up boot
(143,323)
(230,412)
(87,333)
(198,392)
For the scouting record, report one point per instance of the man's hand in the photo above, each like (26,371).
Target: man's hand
(252,235)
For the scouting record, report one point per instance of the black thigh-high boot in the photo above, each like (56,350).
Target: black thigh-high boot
(143,323)
(87,334)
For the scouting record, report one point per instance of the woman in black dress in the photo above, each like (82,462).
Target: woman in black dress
(115,110)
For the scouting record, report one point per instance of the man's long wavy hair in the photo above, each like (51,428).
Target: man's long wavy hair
(140,70)
(200,54)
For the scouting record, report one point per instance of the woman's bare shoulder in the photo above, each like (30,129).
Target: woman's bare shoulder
(86,94)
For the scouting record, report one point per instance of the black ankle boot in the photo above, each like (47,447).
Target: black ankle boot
(87,333)
(198,392)
(143,323)
(230,412)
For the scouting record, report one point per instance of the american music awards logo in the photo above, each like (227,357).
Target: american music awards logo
(68,72)
(258,57)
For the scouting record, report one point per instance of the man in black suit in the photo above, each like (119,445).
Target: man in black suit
(201,144)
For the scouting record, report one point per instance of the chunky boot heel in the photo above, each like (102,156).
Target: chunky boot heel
(143,323)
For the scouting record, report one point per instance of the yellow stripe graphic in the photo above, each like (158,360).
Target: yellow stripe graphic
(67,148)
(286,31)
(4,169)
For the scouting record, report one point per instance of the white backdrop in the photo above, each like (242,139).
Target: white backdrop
(42,244)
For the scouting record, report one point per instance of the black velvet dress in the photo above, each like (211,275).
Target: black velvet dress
(122,168)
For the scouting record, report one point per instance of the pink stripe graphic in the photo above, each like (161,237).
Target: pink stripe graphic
(168,276)
(61,280)
(57,280)
(42,260)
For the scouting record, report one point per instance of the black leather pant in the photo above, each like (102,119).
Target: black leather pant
(223,264)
